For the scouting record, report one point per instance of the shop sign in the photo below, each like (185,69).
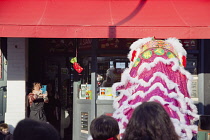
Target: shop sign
(109,43)
(189,44)
(85,43)
(194,93)
(58,46)
(115,43)
(129,41)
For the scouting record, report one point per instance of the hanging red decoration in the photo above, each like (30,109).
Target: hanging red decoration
(76,65)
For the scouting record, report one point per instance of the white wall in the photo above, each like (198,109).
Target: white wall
(16,81)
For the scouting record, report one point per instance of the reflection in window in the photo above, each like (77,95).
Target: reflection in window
(120,65)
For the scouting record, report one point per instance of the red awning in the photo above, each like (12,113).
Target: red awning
(184,19)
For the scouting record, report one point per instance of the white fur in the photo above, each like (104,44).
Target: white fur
(177,95)
(137,46)
(177,46)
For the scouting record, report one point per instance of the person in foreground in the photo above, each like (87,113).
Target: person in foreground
(104,128)
(5,133)
(150,121)
(29,129)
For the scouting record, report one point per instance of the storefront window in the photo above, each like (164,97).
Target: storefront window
(111,55)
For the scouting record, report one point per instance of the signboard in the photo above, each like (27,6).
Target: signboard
(58,46)
(190,44)
(194,94)
(109,43)
(85,44)
(115,43)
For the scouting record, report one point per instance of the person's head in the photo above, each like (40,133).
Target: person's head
(4,128)
(28,129)
(150,121)
(36,86)
(104,127)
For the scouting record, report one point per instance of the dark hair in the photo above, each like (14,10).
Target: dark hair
(36,83)
(28,129)
(150,121)
(3,126)
(104,127)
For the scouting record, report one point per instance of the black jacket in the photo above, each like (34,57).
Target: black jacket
(7,136)
(1,136)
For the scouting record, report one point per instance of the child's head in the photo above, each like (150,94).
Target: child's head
(104,127)
(4,128)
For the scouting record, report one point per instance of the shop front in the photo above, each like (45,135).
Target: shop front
(87,94)
(42,37)
(108,63)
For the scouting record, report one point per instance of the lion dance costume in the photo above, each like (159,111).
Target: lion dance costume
(156,73)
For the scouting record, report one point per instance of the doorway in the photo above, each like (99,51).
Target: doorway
(49,64)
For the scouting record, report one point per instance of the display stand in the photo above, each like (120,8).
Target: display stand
(83,111)
(104,107)
(81,115)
